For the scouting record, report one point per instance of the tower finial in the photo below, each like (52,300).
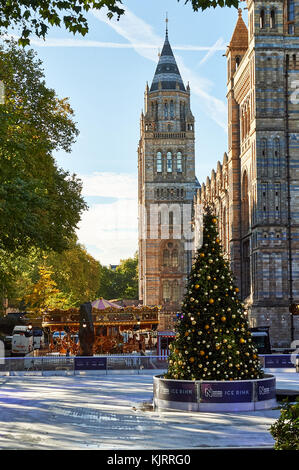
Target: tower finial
(240,12)
(166,21)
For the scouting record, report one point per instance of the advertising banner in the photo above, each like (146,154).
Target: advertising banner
(265,389)
(226,392)
(171,390)
(90,363)
(278,361)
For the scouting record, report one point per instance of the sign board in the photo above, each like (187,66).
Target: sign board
(90,363)
(226,392)
(265,389)
(172,390)
(278,361)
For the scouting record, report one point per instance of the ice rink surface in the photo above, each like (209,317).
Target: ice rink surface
(110,412)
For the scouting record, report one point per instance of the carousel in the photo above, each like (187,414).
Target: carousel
(117,330)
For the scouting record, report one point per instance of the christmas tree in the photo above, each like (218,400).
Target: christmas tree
(213,340)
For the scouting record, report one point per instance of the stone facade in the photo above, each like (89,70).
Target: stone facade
(167,185)
(255,189)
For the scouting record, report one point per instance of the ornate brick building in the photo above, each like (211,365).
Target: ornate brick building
(167,185)
(255,188)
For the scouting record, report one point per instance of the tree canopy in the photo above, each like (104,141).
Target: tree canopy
(40,204)
(37,16)
(204,4)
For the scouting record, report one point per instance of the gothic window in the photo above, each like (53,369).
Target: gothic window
(245,204)
(262,19)
(179,163)
(291,16)
(264,200)
(272,19)
(277,200)
(238,60)
(159,162)
(166,291)
(166,110)
(175,258)
(171,110)
(264,156)
(171,219)
(175,291)
(276,156)
(182,110)
(169,162)
(166,258)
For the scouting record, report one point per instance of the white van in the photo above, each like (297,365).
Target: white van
(22,340)
(38,338)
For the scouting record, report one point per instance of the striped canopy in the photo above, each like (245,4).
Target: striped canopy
(102,304)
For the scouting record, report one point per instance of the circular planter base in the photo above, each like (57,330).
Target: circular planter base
(215,396)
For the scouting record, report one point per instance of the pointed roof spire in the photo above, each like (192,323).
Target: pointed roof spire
(166,21)
(240,34)
(167,71)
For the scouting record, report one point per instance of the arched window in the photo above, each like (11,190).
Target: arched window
(159,162)
(272,19)
(179,163)
(171,219)
(171,110)
(291,16)
(175,259)
(245,204)
(169,162)
(166,291)
(166,258)
(238,60)
(264,156)
(276,156)
(262,19)
(175,291)
(166,110)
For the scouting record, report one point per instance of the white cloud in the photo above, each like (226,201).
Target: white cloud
(122,186)
(110,231)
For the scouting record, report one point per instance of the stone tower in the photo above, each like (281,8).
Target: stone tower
(166,185)
(257,184)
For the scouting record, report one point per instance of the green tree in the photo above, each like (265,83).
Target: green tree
(213,340)
(286,429)
(121,283)
(40,204)
(36,16)
(75,273)
(204,4)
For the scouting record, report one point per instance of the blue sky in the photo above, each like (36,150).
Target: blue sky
(104,75)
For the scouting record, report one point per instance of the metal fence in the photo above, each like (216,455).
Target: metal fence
(62,365)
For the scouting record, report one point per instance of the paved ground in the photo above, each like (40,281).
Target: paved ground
(106,412)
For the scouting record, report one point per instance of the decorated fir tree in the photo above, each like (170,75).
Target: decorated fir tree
(213,340)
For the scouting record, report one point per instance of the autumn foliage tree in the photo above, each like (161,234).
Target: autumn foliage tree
(213,340)
(44,295)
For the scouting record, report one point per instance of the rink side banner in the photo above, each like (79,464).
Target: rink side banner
(90,363)
(171,390)
(280,360)
(224,392)
(265,390)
